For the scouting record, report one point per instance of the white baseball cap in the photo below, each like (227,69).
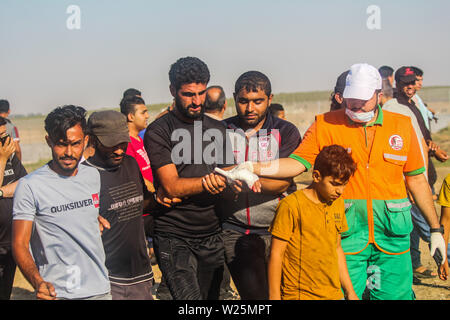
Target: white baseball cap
(362,81)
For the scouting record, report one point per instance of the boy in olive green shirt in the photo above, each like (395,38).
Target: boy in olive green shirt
(307,260)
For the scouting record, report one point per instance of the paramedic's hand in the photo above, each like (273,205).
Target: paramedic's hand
(437,243)
(240,174)
(103,223)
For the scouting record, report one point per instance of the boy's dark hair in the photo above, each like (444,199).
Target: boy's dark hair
(62,119)
(336,162)
(2,121)
(188,70)
(4,106)
(211,105)
(252,81)
(418,72)
(127,105)
(386,71)
(131,92)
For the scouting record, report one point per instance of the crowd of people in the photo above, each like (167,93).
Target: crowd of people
(212,201)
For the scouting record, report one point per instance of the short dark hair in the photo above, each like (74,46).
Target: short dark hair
(335,161)
(188,70)
(3,121)
(128,103)
(131,92)
(4,106)
(218,104)
(252,81)
(62,119)
(275,108)
(387,89)
(386,71)
(418,72)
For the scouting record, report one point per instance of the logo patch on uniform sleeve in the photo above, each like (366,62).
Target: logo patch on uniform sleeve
(95,200)
(396,142)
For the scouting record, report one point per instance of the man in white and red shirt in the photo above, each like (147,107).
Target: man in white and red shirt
(134,108)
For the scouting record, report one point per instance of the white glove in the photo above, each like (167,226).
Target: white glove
(437,242)
(239,174)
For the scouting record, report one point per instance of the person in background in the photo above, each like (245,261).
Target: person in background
(336,95)
(387,72)
(215,102)
(11,170)
(11,129)
(136,112)
(406,82)
(123,199)
(444,201)
(277,110)
(132,92)
(215,106)
(428,115)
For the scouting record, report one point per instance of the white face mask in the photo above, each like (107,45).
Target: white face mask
(360,117)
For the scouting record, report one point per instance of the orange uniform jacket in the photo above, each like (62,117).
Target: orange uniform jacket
(377,206)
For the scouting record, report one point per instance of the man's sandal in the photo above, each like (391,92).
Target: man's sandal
(426,274)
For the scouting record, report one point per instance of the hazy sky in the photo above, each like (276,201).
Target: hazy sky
(300,45)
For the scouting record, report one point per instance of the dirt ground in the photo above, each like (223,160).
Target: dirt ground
(429,289)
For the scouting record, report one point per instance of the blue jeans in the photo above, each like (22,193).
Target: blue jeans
(421,230)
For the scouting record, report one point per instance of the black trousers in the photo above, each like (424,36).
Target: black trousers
(7,273)
(247,257)
(191,267)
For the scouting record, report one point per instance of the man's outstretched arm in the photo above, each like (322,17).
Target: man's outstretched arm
(21,234)
(283,168)
(421,192)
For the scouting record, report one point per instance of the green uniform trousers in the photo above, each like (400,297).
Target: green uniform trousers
(381,276)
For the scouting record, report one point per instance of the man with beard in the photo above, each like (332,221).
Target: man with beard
(123,196)
(56,213)
(184,148)
(256,135)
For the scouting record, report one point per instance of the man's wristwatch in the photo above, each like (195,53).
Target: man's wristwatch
(440,229)
(1,194)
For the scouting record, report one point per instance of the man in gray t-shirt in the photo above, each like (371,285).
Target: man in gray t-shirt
(56,215)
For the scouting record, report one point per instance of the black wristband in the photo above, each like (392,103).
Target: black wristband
(440,229)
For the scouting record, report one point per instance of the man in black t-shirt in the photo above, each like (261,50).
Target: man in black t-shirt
(123,197)
(184,147)
(11,170)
